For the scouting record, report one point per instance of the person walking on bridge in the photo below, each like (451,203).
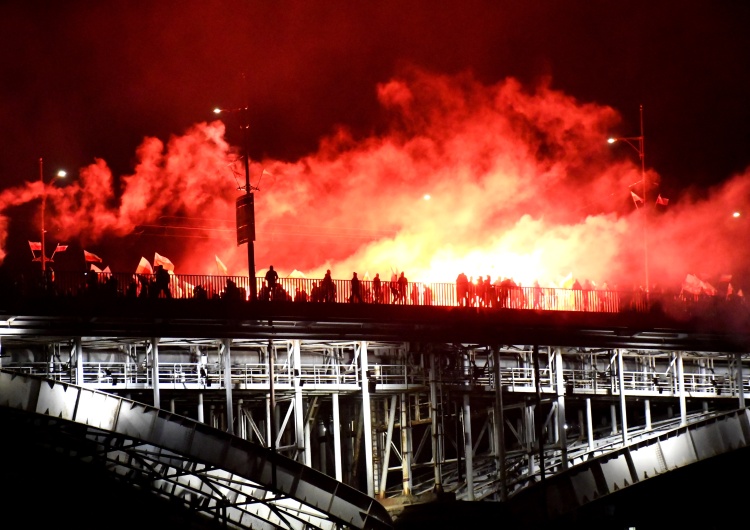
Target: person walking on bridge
(272,277)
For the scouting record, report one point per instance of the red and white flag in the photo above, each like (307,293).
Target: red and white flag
(35,245)
(61,248)
(163,261)
(220,265)
(144,267)
(91,258)
(636,198)
(661,200)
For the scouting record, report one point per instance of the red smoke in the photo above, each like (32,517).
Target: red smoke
(522,184)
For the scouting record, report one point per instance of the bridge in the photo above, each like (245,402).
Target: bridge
(325,414)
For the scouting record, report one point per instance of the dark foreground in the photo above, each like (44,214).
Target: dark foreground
(41,488)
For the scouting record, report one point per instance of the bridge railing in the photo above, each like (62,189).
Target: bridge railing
(113,286)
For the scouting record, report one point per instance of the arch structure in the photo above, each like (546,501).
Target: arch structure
(223,477)
(597,474)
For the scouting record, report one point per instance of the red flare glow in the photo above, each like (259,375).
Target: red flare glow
(521,182)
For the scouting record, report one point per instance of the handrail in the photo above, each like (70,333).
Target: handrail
(115,285)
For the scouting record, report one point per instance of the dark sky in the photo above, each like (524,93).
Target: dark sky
(87,83)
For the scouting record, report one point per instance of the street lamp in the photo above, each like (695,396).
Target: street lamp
(245,213)
(60,174)
(641,154)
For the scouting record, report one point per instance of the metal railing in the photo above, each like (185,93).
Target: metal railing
(210,287)
(123,375)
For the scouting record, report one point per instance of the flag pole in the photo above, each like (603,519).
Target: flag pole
(44,204)
(640,148)
(642,153)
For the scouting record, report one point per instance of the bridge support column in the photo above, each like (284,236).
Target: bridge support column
(561,423)
(499,426)
(79,361)
(155,371)
(468,449)
(338,468)
(226,356)
(299,413)
(647,413)
(589,424)
(740,384)
(200,408)
(623,406)
(405,447)
(436,421)
(387,449)
(681,388)
(241,424)
(367,419)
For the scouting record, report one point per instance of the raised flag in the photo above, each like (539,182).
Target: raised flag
(219,265)
(95,269)
(61,248)
(91,258)
(661,200)
(163,261)
(144,267)
(636,199)
(35,245)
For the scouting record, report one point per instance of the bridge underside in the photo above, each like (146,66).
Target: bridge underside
(393,404)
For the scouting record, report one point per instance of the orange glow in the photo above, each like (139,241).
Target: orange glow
(522,187)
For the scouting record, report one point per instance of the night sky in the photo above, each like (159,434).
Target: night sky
(499,110)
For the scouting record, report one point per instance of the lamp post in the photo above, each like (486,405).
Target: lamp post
(60,174)
(641,154)
(246,206)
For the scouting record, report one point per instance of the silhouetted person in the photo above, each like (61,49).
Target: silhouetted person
(394,287)
(462,289)
(161,282)
(272,277)
(328,288)
(403,283)
(537,295)
(231,292)
(377,288)
(356,295)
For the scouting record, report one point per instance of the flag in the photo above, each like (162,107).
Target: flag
(661,200)
(35,246)
(164,262)
(95,268)
(61,248)
(694,285)
(222,268)
(144,267)
(725,278)
(89,257)
(636,199)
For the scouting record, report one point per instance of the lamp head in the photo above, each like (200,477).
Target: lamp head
(611,140)
(217,110)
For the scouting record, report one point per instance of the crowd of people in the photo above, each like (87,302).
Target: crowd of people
(398,290)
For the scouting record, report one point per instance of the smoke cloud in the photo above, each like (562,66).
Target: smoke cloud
(500,180)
